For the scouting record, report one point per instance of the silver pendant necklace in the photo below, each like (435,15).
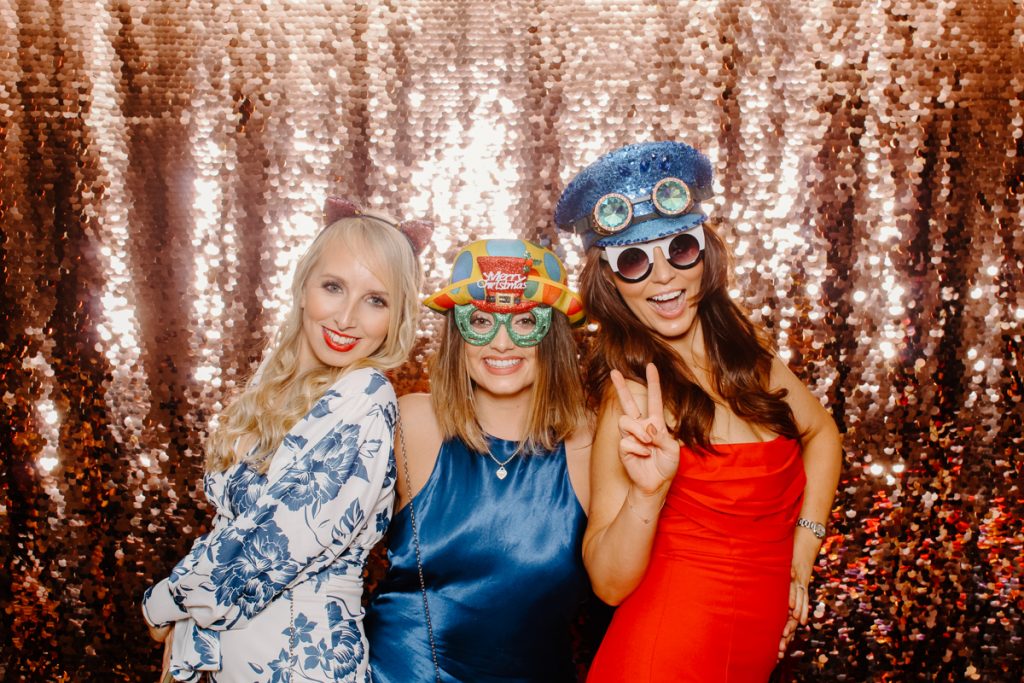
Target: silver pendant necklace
(502,472)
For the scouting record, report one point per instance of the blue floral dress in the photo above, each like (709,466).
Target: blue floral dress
(272,592)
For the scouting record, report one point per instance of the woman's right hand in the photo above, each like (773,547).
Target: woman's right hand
(647,449)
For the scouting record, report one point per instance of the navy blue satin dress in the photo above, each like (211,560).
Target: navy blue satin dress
(503,569)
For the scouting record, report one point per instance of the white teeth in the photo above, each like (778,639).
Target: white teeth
(503,363)
(339,339)
(667,296)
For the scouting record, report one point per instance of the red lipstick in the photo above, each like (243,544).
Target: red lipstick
(335,346)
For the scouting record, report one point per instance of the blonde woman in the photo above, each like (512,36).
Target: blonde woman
(301,473)
(485,571)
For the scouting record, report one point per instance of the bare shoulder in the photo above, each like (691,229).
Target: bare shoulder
(418,445)
(580,441)
(417,413)
(782,377)
(421,432)
(811,416)
(577,456)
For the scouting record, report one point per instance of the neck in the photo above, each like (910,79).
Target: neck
(690,348)
(503,416)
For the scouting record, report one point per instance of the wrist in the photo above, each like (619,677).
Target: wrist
(816,528)
(645,506)
(805,553)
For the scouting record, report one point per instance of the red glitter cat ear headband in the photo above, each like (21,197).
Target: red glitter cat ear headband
(418,232)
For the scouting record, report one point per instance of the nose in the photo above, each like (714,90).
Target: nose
(345,317)
(502,341)
(662,271)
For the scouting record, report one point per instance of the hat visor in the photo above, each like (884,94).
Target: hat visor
(652,230)
(549,293)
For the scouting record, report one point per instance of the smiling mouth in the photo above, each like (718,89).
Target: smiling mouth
(339,342)
(503,363)
(669,303)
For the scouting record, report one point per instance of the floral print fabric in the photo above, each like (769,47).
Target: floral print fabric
(272,592)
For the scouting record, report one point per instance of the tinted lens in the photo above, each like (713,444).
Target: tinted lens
(612,212)
(632,264)
(683,250)
(671,196)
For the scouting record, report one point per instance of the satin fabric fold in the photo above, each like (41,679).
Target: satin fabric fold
(502,566)
(714,599)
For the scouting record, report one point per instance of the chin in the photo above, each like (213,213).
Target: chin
(671,329)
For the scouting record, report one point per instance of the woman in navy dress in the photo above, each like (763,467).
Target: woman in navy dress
(301,474)
(485,572)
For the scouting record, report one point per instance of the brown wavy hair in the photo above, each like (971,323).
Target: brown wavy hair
(739,353)
(556,405)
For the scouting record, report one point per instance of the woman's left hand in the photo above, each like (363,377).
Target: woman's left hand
(799,605)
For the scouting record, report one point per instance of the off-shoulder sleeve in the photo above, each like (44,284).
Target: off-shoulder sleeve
(335,466)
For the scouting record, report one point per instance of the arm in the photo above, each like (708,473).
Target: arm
(633,461)
(340,466)
(822,457)
(421,436)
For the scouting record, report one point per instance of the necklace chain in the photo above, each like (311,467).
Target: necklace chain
(291,632)
(501,472)
(500,463)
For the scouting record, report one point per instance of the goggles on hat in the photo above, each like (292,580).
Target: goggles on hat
(480,327)
(615,212)
(634,262)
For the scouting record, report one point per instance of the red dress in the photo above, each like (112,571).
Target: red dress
(713,602)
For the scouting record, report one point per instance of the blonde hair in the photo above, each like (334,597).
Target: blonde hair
(253,425)
(556,402)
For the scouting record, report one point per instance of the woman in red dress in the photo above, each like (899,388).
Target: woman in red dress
(714,468)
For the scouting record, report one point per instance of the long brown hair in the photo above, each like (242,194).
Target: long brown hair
(556,404)
(739,354)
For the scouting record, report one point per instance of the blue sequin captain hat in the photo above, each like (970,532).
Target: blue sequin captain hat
(635,194)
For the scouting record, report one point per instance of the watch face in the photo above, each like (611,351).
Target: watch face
(816,528)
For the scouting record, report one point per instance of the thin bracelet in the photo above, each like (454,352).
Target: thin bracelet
(637,513)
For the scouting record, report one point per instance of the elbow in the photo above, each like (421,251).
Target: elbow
(612,577)
(609,594)
(605,585)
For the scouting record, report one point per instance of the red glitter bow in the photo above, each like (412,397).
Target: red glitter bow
(418,232)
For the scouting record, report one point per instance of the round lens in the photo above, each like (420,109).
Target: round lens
(633,264)
(683,250)
(481,322)
(671,196)
(613,212)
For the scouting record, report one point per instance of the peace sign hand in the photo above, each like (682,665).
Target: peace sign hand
(647,449)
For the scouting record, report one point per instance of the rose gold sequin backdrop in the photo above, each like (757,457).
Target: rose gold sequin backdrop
(165,162)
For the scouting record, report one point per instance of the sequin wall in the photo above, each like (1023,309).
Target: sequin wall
(165,162)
